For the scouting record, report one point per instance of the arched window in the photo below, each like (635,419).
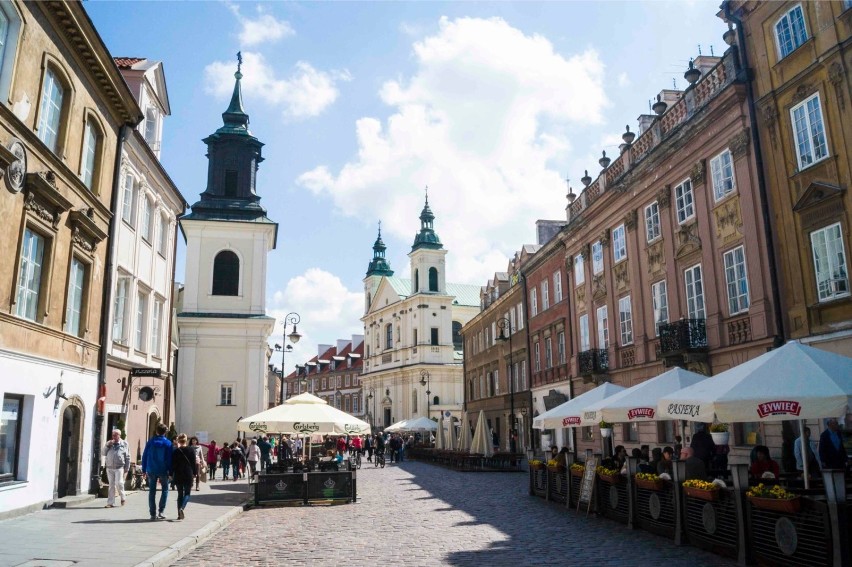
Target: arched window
(433,279)
(414,401)
(388,336)
(436,401)
(457,336)
(416,280)
(226,273)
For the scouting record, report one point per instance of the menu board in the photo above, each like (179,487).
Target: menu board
(587,483)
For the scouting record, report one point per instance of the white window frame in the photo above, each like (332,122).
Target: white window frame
(119,315)
(829,260)
(30,270)
(560,346)
(585,338)
(548,352)
(545,295)
(74,302)
(50,110)
(659,305)
(9,49)
(557,286)
(128,200)
(722,175)
(625,320)
(695,306)
(156,327)
(226,394)
(684,201)
(603,327)
(736,277)
(520,316)
(652,222)
(147,219)
(619,244)
(164,236)
(579,269)
(537,348)
(809,137)
(89,155)
(796,33)
(141,326)
(597,258)
(534,301)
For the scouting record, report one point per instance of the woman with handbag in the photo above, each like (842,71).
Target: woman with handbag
(183,470)
(199,461)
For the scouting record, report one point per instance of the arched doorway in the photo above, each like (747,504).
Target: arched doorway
(69,452)
(153,420)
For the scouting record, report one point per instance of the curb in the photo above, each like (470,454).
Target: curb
(182,547)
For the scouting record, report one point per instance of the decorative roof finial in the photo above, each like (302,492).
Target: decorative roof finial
(427,195)
(239,60)
(380,229)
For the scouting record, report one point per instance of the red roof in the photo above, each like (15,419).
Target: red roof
(127,62)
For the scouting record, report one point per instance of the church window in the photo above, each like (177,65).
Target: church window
(434,336)
(457,336)
(388,336)
(416,281)
(433,279)
(226,273)
(230,183)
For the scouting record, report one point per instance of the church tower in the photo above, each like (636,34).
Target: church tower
(379,266)
(428,273)
(222,323)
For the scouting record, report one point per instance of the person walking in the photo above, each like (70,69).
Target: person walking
(813,464)
(117,462)
(225,459)
(832,453)
(237,458)
(368,444)
(199,460)
(212,456)
(184,471)
(265,453)
(156,460)
(702,446)
(252,456)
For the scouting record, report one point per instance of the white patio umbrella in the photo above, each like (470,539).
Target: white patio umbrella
(439,434)
(417,424)
(570,413)
(304,414)
(639,403)
(791,382)
(481,442)
(464,436)
(398,426)
(451,435)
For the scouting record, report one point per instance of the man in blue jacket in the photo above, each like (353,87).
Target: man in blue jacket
(156,460)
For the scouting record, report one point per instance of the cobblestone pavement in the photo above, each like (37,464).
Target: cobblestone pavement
(418,515)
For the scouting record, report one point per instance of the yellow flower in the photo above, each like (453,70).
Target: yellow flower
(700,484)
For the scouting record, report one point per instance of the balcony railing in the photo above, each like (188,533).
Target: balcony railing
(594,361)
(682,336)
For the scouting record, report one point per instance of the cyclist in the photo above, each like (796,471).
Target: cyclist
(380,449)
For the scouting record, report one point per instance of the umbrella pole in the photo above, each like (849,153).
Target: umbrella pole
(805,456)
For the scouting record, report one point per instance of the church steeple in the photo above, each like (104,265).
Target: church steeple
(427,238)
(233,155)
(379,266)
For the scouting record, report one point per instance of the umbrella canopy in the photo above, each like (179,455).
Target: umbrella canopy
(417,424)
(304,414)
(451,435)
(481,443)
(439,434)
(464,437)
(791,382)
(639,403)
(570,413)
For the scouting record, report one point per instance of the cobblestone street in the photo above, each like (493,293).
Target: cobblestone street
(418,515)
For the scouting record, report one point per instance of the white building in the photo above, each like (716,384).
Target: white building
(140,386)
(412,328)
(222,326)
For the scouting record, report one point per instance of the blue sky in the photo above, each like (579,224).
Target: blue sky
(361,105)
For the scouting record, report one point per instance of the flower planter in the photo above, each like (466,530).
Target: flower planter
(720,437)
(578,473)
(701,494)
(610,478)
(537,467)
(556,469)
(657,484)
(606,432)
(786,506)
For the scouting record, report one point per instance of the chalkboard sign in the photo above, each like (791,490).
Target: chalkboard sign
(587,484)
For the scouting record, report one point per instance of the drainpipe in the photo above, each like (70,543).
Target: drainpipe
(529,355)
(780,335)
(169,371)
(94,481)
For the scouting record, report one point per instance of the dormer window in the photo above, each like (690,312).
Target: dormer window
(152,117)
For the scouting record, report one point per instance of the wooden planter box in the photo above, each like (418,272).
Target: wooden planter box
(657,485)
(556,469)
(701,494)
(610,478)
(537,467)
(788,506)
(577,473)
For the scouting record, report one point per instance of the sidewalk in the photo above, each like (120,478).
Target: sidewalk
(90,535)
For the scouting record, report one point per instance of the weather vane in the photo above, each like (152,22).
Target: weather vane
(239,60)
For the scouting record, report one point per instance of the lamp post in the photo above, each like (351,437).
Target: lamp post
(424,381)
(294,336)
(503,323)
(370,398)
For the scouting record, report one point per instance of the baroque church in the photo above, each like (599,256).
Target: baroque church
(222,323)
(412,333)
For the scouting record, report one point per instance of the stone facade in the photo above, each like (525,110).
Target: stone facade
(64,106)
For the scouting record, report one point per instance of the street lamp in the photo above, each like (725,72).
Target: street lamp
(424,381)
(503,323)
(370,398)
(294,336)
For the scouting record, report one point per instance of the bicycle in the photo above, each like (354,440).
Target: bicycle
(356,458)
(379,459)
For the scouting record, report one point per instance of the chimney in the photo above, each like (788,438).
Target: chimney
(671,96)
(706,62)
(357,340)
(645,121)
(341,345)
(321,350)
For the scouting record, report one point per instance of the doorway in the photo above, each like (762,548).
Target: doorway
(69,453)
(153,420)
(387,417)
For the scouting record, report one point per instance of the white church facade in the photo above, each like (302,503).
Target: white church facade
(412,333)
(222,323)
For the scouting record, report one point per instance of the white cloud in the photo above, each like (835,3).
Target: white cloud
(265,28)
(328,311)
(623,80)
(305,93)
(484,120)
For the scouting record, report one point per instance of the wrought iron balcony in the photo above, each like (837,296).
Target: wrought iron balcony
(594,361)
(683,337)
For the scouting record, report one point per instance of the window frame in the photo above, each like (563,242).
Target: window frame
(655,308)
(579,270)
(51,116)
(36,295)
(560,347)
(718,176)
(584,335)
(692,313)
(434,337)
(534,301)
(537,351)
(90,155)
(213,276)
(545,294)
(650,223)
(681,204)
(741,301)
(147,220)
(548,352)
(155,340)
(602,327)
(619,244)
(557,286)
(9,51)
(799,139)
(844,270)
(163,247)
(597,258)
(16,457)
(119,315)
(140,321)
(625,320)
(129,200)
(388,336)
(230,387)
(76,300)
(780,48)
